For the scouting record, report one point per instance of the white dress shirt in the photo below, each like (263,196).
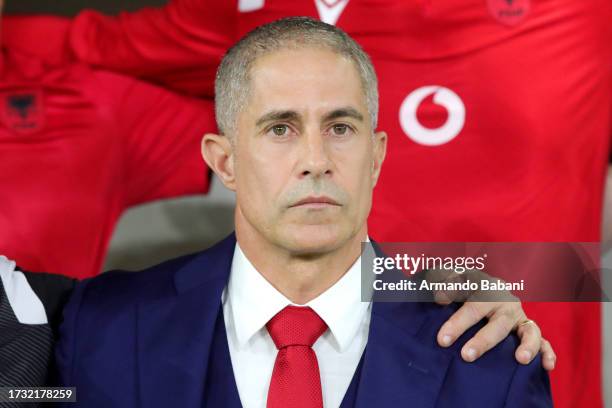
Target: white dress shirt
(250,301)
(27,307)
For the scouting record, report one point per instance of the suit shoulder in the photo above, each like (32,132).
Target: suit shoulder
(116,290)
(119,286)
(436,315)
(515,384)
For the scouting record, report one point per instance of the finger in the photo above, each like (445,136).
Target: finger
(531,340)
(549,358)
(445,297)
(442,297)
(497,329)
(439,275)
(465,317)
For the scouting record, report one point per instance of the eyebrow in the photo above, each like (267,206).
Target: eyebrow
(277,115)
(294,116)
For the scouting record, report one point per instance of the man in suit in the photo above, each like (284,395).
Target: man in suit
(272,316)
(30,311)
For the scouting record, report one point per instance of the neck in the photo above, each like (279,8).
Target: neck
(299,277)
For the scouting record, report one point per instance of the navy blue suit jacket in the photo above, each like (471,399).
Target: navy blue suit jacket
(144,340)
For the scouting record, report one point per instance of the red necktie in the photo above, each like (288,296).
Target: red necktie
(296,382)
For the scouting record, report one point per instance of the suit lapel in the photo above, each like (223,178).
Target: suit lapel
(175,332)
(399,369)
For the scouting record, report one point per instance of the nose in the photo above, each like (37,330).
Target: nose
(315,159)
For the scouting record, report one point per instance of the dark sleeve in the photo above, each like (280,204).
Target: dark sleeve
(64,348)
(530,387)
(53,291)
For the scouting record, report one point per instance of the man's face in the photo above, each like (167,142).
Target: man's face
(304,158)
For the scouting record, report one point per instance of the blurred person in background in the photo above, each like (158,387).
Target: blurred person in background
(78,146)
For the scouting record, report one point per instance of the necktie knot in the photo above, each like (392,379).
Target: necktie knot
(295,326)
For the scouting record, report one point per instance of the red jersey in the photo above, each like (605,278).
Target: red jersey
(78,147)
(498,115)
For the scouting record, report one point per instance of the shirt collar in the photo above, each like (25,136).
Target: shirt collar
(253,301)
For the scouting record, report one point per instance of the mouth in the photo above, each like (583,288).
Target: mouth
(316,202)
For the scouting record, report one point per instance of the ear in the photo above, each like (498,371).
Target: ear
(380,151)
(217,151)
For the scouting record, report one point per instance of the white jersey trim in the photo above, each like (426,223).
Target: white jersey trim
(330,14)
(244,6)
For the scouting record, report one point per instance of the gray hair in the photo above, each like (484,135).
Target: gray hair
(233,76)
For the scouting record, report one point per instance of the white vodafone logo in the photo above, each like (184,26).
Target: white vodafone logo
(443,134)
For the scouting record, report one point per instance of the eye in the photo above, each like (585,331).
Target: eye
(280,130)
(340,129)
